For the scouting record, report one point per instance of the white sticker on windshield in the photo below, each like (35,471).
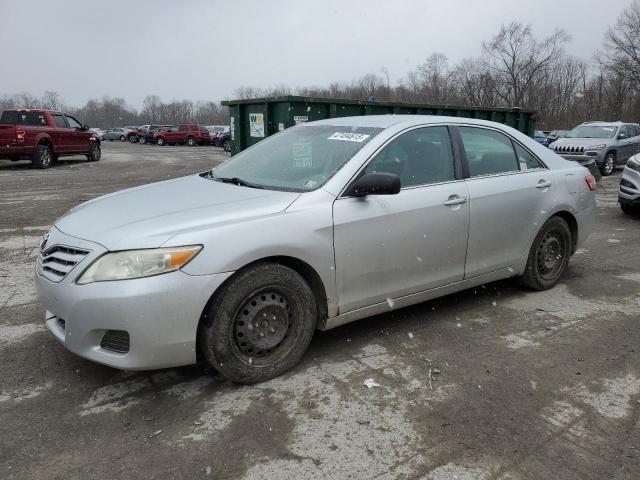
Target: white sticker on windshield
(349,137)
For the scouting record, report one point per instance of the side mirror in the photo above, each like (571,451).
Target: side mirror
(376,183)
(621,136)
(84,127)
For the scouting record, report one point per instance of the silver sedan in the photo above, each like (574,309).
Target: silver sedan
(319,225)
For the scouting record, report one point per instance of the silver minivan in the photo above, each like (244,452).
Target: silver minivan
(319,225)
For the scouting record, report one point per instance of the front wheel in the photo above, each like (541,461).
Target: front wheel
(123,138)
(133,138)
(160,141)
(259,324)
(549,255)
(142,140)
(191,141)
(95,153)
(608,165)
(42,157)
(628,209)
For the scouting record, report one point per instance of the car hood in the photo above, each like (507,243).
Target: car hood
(580,142)
(148,216)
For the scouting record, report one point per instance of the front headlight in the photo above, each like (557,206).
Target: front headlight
(634,163)
(130,264)
(600,146)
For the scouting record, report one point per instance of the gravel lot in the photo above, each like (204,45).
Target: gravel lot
(525,385)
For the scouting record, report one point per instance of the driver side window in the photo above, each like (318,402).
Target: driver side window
(73,123)
(419,157)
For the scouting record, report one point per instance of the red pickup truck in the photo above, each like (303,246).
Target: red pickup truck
(43,136)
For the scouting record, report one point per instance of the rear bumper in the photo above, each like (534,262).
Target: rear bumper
(15,151)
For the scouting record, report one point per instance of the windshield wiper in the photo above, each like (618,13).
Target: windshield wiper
(236,181)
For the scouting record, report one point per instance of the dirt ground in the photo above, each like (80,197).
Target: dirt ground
(525,385)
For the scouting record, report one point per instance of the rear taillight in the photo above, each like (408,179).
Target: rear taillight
(20,135)
(591,182)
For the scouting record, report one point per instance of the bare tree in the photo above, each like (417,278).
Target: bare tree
(622,45)
(517,60)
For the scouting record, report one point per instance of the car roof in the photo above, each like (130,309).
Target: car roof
(386,121)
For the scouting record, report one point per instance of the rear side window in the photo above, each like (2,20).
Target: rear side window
(24,118)
(526,160)
(488,152)
(59,121)
(419,157)
(182,128)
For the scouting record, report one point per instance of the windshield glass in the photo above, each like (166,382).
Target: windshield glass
(593,131)
(299,159)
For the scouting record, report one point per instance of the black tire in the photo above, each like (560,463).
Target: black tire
(191,142)
(609,165)
(629,210)
(226,145)
(95,153)
(246,352)
(160,141)
(42,157)
(133,138)
(549,255)
(142,140)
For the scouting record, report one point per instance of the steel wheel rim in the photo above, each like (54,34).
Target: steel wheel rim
(261,330)
(550,255)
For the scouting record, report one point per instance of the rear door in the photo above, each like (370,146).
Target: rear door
(510,192)
(395,245)
(62,135)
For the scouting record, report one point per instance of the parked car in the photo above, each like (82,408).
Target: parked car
(148,135)
(541,138)
(133,136)
(188,133)
(605,144)
(98,132)
(224,140)
(325,223)
(43,136)
(556,134)
(214,131)
(116,134)
(629,192)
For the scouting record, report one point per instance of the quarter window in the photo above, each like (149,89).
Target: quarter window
(488,152)
(526,160)
(419,157)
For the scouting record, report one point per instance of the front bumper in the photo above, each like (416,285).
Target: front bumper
(629,191)
(160,313)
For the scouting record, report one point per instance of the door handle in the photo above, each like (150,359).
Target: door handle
(454,200)
(543,184)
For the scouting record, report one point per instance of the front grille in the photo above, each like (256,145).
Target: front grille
(116,341)
(56,262)
(569,149)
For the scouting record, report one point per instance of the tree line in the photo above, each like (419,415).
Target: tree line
(516,68)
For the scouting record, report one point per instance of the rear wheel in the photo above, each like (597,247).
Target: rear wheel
(191,141)
(549,255)
(259,324)
(42,157)
(142,140)
(133,138)
(123,138)
(160,141)
(609,164)
(95,152)
(226,145)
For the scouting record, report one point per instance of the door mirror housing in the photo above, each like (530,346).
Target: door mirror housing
(375,183)
(621,136)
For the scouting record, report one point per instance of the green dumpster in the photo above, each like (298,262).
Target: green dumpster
(254,119)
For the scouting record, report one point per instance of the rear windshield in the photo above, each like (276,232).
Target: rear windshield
(23,118)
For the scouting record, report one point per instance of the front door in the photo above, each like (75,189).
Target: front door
(390,246)
(79,139)
(62,135)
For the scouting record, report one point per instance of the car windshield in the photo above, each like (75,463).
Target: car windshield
(299,159)
(593,131)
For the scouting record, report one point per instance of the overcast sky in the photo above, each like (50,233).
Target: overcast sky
(199,49)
